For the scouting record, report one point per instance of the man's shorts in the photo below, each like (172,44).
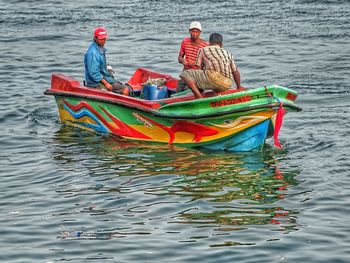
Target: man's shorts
(117,87)
(181,86)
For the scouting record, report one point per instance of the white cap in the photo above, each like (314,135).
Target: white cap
(196,24)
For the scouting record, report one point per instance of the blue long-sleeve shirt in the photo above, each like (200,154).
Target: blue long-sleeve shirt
(96,65)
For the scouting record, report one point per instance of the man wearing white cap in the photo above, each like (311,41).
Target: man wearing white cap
(189,50)
(217,70)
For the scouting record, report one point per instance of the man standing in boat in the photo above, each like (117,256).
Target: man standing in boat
(217,69)
(97,75)
(189,50)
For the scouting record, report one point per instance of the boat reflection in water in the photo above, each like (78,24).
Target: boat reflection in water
(197,194)
(239,189)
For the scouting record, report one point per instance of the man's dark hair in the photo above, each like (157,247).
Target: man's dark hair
(215,38)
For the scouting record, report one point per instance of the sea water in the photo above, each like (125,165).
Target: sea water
(73,196)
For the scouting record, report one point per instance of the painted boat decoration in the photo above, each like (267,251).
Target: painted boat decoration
(231,120)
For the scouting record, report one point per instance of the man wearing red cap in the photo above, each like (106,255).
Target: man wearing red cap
(189,50)
(96,73)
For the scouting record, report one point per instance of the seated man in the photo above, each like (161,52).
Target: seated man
(189,50)
(212,59)
(96,73)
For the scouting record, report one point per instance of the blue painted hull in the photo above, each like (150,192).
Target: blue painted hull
(251,139)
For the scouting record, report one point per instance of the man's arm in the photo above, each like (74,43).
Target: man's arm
(107,84)
(93,67)
(236,75)
(199,61)
(181,58)
(237,79)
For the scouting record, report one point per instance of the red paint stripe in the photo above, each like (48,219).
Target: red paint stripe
(123,130)
(278,125)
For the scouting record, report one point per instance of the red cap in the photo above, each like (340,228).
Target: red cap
(100,33)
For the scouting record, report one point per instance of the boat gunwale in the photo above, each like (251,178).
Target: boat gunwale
(154,111)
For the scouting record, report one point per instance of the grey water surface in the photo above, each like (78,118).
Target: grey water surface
(72,196)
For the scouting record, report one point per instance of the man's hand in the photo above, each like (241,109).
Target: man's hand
(109,86)
(191,63)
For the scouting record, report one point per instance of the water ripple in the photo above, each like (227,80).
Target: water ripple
(73,196)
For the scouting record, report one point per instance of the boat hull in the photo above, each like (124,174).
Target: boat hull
(233,132)
(231,120)
(250,139)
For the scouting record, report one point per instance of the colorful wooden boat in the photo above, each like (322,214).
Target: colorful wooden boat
(231,120)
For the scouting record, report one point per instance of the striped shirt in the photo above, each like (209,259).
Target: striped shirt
(190,49)
(218,59)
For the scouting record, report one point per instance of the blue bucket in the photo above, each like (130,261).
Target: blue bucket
(153,92)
